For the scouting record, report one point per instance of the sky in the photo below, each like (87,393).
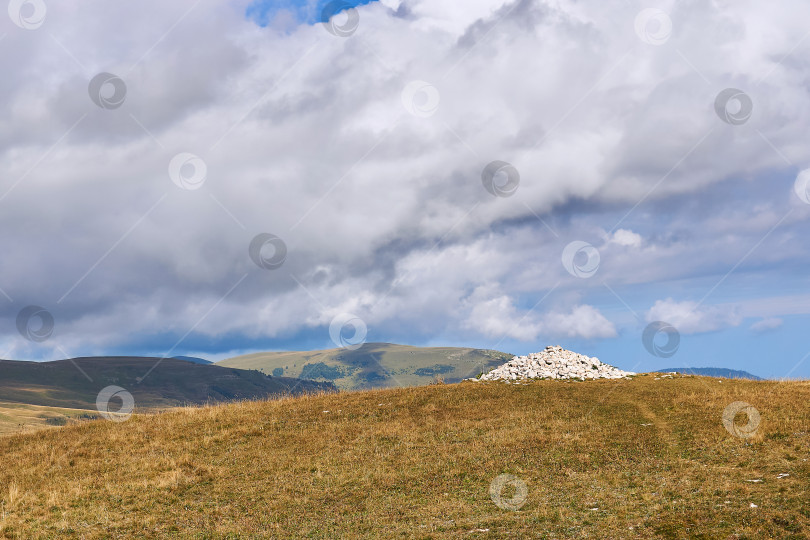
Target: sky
(209,178)
(289,14)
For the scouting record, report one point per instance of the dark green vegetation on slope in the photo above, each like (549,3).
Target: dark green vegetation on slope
(375,365)
(76,383)
(640,458)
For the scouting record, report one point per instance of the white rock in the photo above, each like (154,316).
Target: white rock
(554,363)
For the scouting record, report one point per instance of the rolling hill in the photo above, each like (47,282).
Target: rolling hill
(374,365)
(22,417)
(714,372)
(193,359)
(75,383)
(640,458)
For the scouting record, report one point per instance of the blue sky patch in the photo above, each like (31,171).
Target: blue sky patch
(263,12)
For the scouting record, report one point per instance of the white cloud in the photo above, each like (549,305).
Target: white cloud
(765,325)
(583,321)
(497,317)
(688,317)
(624,237)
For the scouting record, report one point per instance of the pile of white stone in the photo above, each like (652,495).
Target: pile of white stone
(553,363)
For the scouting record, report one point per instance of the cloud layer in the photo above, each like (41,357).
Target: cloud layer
(364,154)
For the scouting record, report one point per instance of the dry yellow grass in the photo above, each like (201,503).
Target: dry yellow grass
(22,417)
(601,459)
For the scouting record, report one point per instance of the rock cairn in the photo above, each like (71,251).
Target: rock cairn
(553,363)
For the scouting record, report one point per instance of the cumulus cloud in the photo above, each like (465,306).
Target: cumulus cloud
(624,237)
(689,317)
(583,321)
(497,317)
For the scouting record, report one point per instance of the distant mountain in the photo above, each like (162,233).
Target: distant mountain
(75,383)
(193,359)
(714,372)
(374,365)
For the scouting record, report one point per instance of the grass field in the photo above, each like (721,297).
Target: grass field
(641,458)
(21,417)
(374,365)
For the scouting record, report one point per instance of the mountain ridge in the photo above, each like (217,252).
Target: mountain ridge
(714,372)
(76,382)
(374,365)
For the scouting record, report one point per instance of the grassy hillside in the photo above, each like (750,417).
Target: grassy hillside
(374,365)
(21,417)
(639,458)
(76,383)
